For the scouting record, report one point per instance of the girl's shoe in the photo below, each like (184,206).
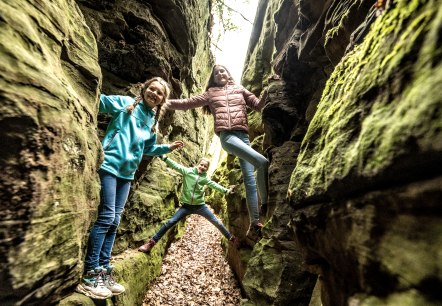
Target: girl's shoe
(92,285)
(109,282)
(145,248)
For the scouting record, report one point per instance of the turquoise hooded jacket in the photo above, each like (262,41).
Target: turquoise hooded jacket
(192,192)
(128,137)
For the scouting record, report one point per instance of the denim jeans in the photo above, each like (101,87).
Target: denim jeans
(114,193)
(237,143)
(186,210)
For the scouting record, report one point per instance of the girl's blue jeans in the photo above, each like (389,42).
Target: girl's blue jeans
(114,193)
(237,143)
(186,210)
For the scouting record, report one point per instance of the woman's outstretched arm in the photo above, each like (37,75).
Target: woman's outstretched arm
(252,101)
(189,103)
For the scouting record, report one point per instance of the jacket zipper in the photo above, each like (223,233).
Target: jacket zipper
(111,139)
(194,187)
(228,107)
(137,138)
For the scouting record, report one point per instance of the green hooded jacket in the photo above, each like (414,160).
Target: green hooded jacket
(192,192)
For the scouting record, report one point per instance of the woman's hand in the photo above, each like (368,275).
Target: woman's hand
(178,144)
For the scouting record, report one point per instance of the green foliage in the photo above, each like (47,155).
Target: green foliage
(226,15)
(381,98)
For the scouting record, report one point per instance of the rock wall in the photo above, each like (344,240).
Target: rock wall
(353,132)
(50,81)
(137,41)
(352,128)
(56,59)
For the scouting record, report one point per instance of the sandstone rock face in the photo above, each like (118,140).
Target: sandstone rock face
(378,130)
(50,79)
(56,59)
(138,40)
(359,92)
(352,129)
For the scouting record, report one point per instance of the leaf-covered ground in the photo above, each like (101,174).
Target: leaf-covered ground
(194,271)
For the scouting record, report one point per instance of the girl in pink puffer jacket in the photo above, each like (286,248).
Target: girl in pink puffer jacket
(228,102)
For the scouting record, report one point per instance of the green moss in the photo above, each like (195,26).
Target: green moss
(258,63)
(49,82)
(77,299)
(410,297)
(264,270)
(418,258)
(135,272)
(340,25)
(381,96)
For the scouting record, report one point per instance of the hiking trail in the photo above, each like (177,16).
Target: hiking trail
(195,271)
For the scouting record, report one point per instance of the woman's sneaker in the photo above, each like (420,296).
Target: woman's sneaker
(92,285)
(145,248)
(109,282)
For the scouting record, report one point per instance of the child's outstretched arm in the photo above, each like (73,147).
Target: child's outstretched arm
(220,188)
(113,104)
(177,144)
(174,165)
(153,149)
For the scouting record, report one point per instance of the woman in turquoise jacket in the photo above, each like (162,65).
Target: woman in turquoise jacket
(129,136)
(192,200)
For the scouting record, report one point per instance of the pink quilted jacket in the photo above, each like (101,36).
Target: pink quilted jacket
(228,105)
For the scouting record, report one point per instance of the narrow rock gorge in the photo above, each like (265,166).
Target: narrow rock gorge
(352,128)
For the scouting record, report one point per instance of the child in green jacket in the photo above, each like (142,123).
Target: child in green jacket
(192,199)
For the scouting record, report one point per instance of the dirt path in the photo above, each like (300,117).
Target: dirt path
(194,271)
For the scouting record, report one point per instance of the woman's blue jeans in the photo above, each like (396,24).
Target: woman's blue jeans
(237,143)
(114,193)
(186,210)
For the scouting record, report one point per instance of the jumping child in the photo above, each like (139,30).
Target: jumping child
(192,200)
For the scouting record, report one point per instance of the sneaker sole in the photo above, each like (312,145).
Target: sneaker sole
(117,292)
(87,293)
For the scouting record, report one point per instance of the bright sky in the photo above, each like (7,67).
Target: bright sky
(234,44)
(234,48)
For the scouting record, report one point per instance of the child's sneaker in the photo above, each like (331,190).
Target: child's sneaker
(92,285)
(255,231)
(145,248)
(109,282)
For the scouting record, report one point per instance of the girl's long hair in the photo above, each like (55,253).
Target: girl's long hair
(159,113)
(211,83)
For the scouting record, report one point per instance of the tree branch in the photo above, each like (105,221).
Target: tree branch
(231,9)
